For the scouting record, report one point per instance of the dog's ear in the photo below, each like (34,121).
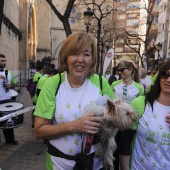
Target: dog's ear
(110,104)
(118,101)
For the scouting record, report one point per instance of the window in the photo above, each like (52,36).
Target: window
(132,31)
(133,6)
(118,49)
(120,41)
(120,17)
(164,7)
(134,0)
(120,25)
(127,48)
(132,23)
(157,2)
(155,20)
(132,16)
(129,41)
(121,9)
(121,1)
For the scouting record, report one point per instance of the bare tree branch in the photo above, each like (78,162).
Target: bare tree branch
(65,17)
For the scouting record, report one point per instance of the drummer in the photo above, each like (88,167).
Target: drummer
(7,81)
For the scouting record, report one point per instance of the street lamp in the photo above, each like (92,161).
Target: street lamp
(159,48)
(88,18)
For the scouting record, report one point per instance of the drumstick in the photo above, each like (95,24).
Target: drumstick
(14,114)
(6,74)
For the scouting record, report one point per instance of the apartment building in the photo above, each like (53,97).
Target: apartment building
(151,48)
(164,29)
(130,17)
(159,44)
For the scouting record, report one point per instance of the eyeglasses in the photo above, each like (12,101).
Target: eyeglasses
(122,70)
(164,74)
(125,90)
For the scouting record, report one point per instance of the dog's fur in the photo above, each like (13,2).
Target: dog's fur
(118,115)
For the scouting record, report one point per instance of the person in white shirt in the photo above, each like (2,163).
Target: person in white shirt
(7,82)
(145,80)
(107,75)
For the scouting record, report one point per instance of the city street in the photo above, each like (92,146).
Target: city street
(29,154)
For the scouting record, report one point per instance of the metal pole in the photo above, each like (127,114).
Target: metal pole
(87,28)
(158,61)
(51,48)
(20,82)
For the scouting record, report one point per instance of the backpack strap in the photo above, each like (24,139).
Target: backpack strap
(58,84)
(101,86)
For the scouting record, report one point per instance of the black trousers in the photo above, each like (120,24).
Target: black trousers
(8,133)
(116,153)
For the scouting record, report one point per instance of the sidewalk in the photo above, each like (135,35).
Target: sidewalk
(29,154)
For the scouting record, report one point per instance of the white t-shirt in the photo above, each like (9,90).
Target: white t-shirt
(3,94)
(146,82)
(70,103)
(132,91)
(107,76)
(152,143)
(117,76)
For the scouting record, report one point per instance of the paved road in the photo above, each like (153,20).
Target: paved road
(29,154)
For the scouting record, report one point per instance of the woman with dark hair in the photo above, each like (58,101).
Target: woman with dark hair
(39,72)
(115,76)
(149,138)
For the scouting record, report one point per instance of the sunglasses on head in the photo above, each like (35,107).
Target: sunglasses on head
(121,70)
(164,74)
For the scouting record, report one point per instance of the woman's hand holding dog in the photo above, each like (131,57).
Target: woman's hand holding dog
(88,123)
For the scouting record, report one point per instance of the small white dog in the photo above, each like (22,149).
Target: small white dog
(118,115)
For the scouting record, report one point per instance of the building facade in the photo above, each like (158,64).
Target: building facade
(164,28)
(30,30)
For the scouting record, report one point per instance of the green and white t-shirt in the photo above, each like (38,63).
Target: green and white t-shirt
(68,105)
(151,145)
(36,77)
(132,91)
(41,81)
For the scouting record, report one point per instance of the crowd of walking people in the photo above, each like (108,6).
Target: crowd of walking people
(61,97)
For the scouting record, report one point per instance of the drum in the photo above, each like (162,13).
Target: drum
(13,94)
(8,108)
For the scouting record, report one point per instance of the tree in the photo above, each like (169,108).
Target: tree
(101,28)
(102,13)
(63,18)
(1,13)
